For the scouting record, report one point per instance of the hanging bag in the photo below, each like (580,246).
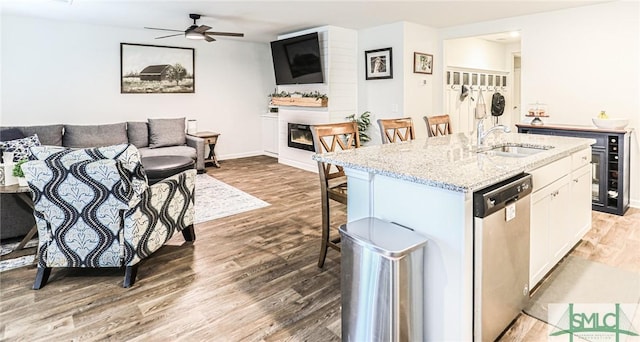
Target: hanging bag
(497,104)
(481,110)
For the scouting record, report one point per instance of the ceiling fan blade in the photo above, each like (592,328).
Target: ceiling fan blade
(209,39)
(202,28)
(162,29)
(228,34)
(171,35)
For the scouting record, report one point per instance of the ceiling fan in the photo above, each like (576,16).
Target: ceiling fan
(197,32)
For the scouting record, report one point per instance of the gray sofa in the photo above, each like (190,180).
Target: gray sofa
(157,137)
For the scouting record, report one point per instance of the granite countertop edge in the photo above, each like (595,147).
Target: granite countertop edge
(524,165)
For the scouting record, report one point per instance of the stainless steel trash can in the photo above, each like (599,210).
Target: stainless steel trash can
(382,282)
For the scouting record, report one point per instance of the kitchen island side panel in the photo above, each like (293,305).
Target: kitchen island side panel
(445,218)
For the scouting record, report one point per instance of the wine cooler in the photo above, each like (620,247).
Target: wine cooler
(609,161)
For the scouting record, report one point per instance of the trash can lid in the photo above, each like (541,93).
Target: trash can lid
(383,237)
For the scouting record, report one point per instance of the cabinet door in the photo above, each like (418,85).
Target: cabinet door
(270,134)
(560,232)
(580,202)
(539,237)
(599,177)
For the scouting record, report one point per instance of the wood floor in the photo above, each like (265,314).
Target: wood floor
(247,277)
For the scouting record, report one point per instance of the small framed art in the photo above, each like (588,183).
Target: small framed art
(422,63)
(378,64)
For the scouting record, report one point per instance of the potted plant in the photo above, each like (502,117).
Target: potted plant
(17,172)
(363,122)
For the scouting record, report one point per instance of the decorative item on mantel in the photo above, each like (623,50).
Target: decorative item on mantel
(537,111)
(313,99)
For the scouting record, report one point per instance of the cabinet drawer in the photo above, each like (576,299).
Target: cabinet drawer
(211,140)
(545,175)
(580,158)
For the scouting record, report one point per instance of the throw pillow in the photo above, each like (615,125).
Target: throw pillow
(166,132)
(20,147)
(138,133)
(11,134)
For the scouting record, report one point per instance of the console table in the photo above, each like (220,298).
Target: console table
(22,192)
(210,138)
(610,159)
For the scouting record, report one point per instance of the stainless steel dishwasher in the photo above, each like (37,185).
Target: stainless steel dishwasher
(501,255)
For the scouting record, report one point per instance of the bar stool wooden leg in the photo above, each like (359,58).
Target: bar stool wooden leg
(326,226)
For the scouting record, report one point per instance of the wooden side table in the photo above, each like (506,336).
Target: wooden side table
(210,138)
(22,192)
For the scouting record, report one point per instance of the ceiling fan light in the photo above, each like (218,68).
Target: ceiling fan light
(194,35)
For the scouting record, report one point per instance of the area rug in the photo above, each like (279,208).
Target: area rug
(577,280)
(214,199)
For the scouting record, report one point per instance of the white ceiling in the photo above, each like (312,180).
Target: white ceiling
(264,20)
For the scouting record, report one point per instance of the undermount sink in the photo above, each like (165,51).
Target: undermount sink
(515,151)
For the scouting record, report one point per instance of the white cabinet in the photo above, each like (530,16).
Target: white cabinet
(580,203)
(270,135)
(560,211)
(549,234)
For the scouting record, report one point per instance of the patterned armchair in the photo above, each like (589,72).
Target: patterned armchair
(94,208)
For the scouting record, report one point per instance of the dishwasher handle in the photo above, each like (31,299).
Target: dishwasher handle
(495,197)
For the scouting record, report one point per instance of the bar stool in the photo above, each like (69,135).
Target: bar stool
(438,125)
(333,181)
(392,129)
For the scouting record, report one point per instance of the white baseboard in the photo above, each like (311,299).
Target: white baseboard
(270,154)
(240,155)
(634,203)
(299,165)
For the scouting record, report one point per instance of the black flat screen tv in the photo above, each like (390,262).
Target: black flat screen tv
(296,60)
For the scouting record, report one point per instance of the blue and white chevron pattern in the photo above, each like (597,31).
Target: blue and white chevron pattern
(94,208)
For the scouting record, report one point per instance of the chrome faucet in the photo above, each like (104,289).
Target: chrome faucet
(482,135)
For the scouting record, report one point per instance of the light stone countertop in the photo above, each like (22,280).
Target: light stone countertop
(452,162)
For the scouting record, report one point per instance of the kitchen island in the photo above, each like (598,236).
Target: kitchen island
(428,185)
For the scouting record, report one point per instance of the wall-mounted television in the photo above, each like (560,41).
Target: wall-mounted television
(296,60)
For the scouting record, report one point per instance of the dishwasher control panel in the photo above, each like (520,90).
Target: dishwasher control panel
(497,196)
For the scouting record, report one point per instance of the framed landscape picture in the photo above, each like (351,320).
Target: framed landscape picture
(378,64)
(152,69)
(422,63)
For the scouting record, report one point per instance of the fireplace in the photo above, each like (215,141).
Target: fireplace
(300,137)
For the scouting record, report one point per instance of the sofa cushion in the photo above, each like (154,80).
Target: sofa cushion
(166,132)
(47,134)
(20,147)
(138,133)
(183,150)
(78,136)
(7,134)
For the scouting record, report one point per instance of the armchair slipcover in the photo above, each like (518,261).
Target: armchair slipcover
(94,208)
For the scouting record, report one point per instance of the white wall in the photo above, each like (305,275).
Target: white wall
(475,53)
(384,98)
(579,61)
(69,73)
(419,88)
(408,94)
